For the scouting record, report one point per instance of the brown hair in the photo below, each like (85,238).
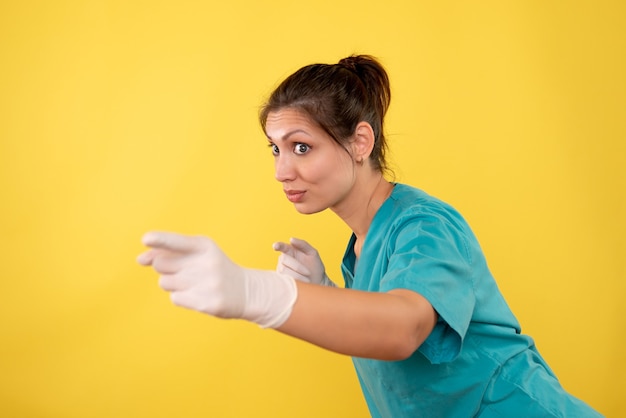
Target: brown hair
(337,97)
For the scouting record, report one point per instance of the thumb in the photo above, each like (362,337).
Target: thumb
(146,258)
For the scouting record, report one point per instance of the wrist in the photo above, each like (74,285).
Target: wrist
(270,297)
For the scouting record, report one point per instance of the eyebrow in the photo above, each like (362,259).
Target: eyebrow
(288,134)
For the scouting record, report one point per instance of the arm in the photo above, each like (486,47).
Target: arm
(364,324)
(384,326)
(200,276)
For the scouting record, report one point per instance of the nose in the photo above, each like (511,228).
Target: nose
(284,168)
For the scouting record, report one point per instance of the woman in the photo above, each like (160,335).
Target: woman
(421,315)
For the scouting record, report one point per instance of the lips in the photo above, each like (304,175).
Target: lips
(295,196)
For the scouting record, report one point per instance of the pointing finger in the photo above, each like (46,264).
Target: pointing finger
(174,242)
(302,245)
(283,248)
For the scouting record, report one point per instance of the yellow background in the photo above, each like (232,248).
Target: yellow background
(117,117)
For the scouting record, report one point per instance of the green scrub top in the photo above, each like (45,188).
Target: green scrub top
(475,362)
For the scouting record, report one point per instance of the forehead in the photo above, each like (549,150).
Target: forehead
(285,119)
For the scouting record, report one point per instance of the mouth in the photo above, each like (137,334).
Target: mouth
(295,196)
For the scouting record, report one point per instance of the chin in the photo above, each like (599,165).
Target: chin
(308,210)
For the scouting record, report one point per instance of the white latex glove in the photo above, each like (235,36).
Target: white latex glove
(301,261)
(200,276)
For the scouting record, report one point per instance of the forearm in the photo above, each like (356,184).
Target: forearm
(385,326)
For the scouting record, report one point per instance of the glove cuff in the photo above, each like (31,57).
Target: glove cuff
(270,297)
(327,282)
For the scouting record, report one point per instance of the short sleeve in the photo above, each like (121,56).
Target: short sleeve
(428,255)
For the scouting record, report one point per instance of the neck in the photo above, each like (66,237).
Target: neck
(360,207)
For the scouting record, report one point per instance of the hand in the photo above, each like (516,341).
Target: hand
(301,261)
(200,276)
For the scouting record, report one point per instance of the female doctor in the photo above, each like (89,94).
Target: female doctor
(429,332)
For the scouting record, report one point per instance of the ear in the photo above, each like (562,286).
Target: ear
(363,142)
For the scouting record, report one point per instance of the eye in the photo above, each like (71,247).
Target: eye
(301,148)
(274,149)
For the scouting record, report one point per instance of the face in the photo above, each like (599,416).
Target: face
(316,172)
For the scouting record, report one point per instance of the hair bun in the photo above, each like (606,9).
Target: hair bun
(349,63)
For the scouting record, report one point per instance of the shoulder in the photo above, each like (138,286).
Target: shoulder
(414,214)
(408,202)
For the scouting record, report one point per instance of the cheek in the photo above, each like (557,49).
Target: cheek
(336,170)
(331,166)
(335,177)
(343,167)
